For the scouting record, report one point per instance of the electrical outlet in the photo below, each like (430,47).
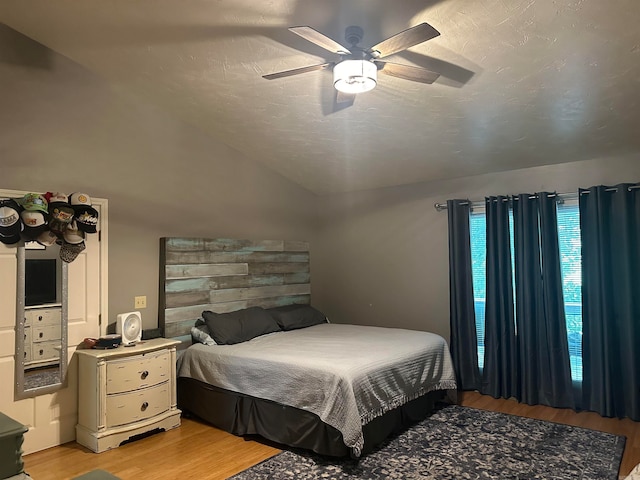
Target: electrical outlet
(140,302)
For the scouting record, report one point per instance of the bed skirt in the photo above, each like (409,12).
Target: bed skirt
(245,415)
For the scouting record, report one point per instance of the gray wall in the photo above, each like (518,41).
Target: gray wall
(63,129)
(382,256)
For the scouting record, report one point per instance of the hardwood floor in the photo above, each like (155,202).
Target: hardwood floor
(194,450)
(199,451)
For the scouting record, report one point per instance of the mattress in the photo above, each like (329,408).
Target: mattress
(347,375)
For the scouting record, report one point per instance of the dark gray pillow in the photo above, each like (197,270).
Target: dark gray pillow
(239,326)
(291,317)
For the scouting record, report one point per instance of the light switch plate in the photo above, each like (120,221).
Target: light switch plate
(140,302)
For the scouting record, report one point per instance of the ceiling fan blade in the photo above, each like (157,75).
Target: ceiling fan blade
(450,74)
(320,39)
(415,74)
(403,40)
(296,71)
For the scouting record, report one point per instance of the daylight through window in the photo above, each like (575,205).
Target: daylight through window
(570,251)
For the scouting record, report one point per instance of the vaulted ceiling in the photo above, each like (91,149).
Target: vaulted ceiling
(522,83)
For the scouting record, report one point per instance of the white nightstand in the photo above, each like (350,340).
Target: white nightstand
(126,391)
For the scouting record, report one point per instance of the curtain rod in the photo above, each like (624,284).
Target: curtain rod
(562,196)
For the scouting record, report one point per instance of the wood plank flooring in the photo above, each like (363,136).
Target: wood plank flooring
(198,451)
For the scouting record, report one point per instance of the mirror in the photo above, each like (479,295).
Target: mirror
(41,320)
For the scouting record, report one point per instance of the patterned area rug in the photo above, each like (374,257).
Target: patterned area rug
(465,443)
(41,377)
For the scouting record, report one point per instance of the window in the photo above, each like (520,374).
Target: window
(570,244)
(570,252)
(478,229)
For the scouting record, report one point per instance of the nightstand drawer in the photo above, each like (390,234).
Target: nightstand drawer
(139,371)
(131,407)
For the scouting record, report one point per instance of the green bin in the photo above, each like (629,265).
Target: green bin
(11,438)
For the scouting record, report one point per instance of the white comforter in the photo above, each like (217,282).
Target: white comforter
(345,374)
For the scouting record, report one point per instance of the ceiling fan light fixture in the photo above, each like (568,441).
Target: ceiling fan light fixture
(355,76)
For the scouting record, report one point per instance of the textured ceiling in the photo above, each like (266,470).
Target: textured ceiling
(523,83)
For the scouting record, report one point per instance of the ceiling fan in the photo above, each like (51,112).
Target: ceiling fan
(356,71)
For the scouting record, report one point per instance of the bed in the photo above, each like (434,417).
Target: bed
(274,365)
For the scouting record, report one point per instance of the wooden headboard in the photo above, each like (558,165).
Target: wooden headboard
(223,275)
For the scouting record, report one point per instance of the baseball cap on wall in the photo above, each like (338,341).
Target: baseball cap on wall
(34,202)
(56,198)
(77,199)
(34,222)
(86,218)
(69,251)
(72,235)
(10,222)
(47,238)
(61,217)
(10,239)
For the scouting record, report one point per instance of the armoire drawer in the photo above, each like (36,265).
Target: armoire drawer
(138,371)
(45,351)
(44,333)
(27,344)
(43,316)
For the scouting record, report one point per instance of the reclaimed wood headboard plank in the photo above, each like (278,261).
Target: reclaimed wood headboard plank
(184,299)
(198,257)
(208,283)
(224,275)
(205,270)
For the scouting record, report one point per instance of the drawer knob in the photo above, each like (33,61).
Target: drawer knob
(144,375)
(41,352)
(41,334)
(40,317)
(144,406)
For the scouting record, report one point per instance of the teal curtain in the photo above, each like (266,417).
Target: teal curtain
(543,349)
(500,374)
(610,228)
(463,342)
(526,347)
